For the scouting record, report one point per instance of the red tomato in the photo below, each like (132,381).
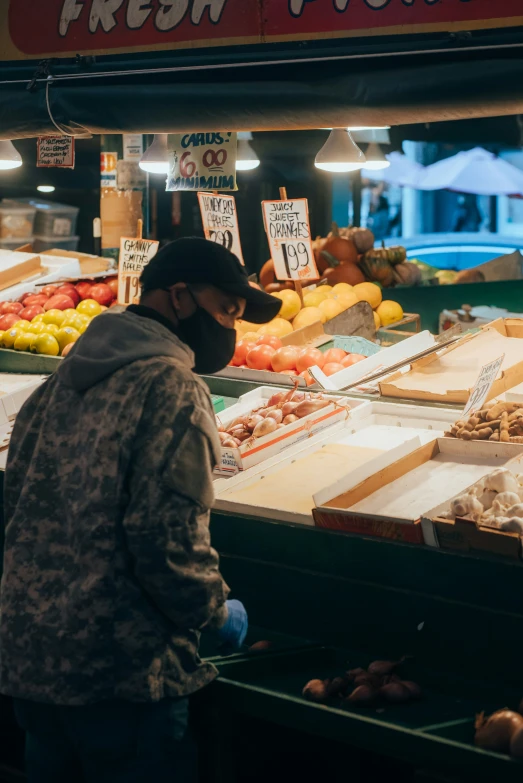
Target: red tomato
(30,312)
(269,339)
(112,282)
(10,307)
(352,358)
(59,302)
(240,352)
(285,359)
(289,372)
(8,320)
(332,367)
(309,380)
(259,357)
(35,299)
(49,290)
(308,358)
(334,355)
(83,289)
(68,289)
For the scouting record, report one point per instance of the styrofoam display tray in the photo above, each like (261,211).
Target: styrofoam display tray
(14,391)
(252,452)
(56,268)
(391,503)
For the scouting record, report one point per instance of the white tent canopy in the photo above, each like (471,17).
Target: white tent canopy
(475,171)
(401,172)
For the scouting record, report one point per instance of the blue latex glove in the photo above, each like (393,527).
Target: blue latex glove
(233,633)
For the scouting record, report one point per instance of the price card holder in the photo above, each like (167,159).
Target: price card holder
(135,254)
(479,393)
(220,221)
(288,231)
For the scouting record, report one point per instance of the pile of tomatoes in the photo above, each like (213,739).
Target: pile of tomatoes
(269,353)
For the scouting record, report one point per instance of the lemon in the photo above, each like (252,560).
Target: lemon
(45,343)
(330,308)
(9,337)
(89,307)
(279,327)
(23,341)
(66,335)
(56,317)
(291,304)
(369,292)
(313,299)
(389,312)
(341,288)
(345,299)
(308,316)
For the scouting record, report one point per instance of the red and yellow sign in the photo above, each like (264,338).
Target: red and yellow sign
(66,27)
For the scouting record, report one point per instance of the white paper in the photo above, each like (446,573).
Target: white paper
(135,254)
(202,161)
(479,393)
(55,152)
(220,221)
(289,236)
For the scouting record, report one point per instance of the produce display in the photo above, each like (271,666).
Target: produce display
(268,353)
(50,321)
(365,687)
(502,732)
(498,421)
(496,502)
(282,409)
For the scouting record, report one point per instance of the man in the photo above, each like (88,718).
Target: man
(108,570)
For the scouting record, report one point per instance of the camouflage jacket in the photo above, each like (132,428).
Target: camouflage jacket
(108,569)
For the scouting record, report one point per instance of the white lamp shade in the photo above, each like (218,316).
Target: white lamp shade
(155,159)
(10,158)
(246,158)
(376,159)
(340,153)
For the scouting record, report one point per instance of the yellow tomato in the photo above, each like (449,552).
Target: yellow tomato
(66,335)
(56,317)
(23,341)
(89,307)
(9,337)
(45,343)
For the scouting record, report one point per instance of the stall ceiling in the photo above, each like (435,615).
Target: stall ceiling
(402,90)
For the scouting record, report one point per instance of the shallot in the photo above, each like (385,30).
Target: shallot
(231,443)
(382,668)
(395,692)
(290,419)
(353,673)
(253,420)
(337,686)
(289,407)
(264,427)
(316,690)
(363,694)
(413,688)
(276,398)
(307,407)
(496,732)
(277,415)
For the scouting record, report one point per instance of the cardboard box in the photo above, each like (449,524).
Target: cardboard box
(89,264)
(253,451)
(449,375)
(463,535)
(392,503)
(16,267)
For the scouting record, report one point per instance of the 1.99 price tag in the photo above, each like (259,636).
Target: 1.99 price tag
(135,254)
(289,235)
(481,389)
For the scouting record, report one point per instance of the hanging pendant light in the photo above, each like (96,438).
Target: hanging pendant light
(340,153)
(10,158)
(376,159)
(155,159)
(246,158)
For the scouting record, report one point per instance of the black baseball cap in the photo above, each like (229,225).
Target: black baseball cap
(201,262)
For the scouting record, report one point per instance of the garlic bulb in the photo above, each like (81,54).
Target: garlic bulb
(487,497)
(515,511)
(466,505)
(505,499)
(514,525)
(501,480)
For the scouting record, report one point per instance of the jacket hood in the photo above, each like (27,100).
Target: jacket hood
(114,340)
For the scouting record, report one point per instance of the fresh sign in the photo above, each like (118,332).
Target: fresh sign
(289,235)
(202,161)
(220,221)
(135,254)
(55,152)
(479,393)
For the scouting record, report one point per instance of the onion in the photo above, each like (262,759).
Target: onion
(264,427)
(290,419)
(223,436)
(395,692)
(516,744)
(242,435)
(413,688)
(316,690)
(231,443)
(276,398)
(253,420)
(367,679)
(353,673)
(363,694)
(496,732)
(289,407)
(337,686)
(382,668)
(307,407)
(240,420)
(259,412)
(277,415)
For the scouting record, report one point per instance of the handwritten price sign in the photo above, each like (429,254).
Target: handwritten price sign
(479,393)
(55,152)
(289,235)
(220,221)
(202,161)
(135,254)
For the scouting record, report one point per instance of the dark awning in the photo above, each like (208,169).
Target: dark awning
(288,95)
